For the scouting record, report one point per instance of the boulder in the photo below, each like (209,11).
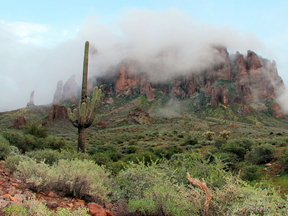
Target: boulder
(140,116)
(57,112)
(19,122)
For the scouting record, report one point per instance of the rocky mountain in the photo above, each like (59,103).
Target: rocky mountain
(250,81)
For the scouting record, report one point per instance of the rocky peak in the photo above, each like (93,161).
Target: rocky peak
(31,100)
(70,90)
(125,79)
(58,93)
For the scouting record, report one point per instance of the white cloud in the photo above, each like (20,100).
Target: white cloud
(64,33)
(164,42)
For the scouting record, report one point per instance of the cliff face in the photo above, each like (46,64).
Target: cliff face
(254,80)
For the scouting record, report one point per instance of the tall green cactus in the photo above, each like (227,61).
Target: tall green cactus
(84,116)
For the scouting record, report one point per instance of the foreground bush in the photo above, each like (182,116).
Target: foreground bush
(36,130)
(5,148)
(35,207)
(69,177)
(261,154)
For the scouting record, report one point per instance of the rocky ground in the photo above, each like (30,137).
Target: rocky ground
(14,191)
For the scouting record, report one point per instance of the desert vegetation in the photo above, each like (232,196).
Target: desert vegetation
(142,169)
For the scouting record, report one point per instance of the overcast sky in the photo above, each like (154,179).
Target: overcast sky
(42,42)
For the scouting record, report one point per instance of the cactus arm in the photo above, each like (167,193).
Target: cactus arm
(70,115)
(94,111)
(82,114)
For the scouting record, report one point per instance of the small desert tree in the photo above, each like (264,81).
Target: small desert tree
(84,116)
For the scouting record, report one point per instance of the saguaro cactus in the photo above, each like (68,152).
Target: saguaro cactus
(84,116)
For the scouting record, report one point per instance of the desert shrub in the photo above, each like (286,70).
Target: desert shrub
(137,178)
(159,152)
(114,155)
(163,197)
(261,154)
(245,143)
(5,148)
(115,167)
(190,141)
(194,163)
(133,142)
(131,149)
(25,142)
(70,177)
(146,157)
(11,162)
(284,159)
(100,158)
(257,201)
(36,130)
(249,172)
(225,134)
(231,147)
(47,156)
(56,144)
(219,142)
(173,150)
(35,207)
(208,135)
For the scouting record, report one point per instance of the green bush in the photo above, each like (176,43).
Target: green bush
(101,158)
(146,157)
(36,130)
(249,172)
(47,156)
(5,148)
(190,141)
(173,150)
(70,177)
(208,135)
(25,142)
(163,197)
(219,142)
(56,144)
(35,207)
(235,149)
(131,149)
(137,178)
(261,154)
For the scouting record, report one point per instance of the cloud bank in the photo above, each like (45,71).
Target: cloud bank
(162,42)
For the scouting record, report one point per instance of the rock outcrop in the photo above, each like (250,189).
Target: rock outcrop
(276,111)
(140,116)
(31,100)
(57,112)
(253,80)
(219,94)
(125,80)
(19,122)
(70,90)
(58,93)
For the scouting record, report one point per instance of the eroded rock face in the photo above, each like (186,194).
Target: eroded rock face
(276,111)
(31,100)
(257,80)
(145,88)
(125,80)
(70,90)
(58,93)
(223,70)
(19,122)
(219,94)
(140,116)
(57,112)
